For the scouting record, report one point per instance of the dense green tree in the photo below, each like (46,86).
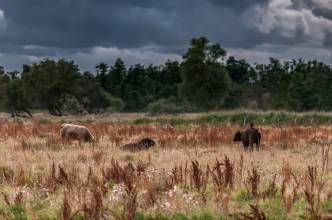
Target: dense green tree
(50,82)
(238,70)
(17,99)
(169,79)
(116,78)
(4,80)
(205,78)
(102,71)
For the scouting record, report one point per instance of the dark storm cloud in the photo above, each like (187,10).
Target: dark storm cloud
(328,39)
(239,5)
(82,23)
(74,28)
(125,23)
(320,10)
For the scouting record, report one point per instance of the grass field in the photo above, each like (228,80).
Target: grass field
(194,172)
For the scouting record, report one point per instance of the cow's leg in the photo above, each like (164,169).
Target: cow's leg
(251,143)
(64,140)
(80,143)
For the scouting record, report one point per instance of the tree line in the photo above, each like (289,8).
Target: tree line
(206,79)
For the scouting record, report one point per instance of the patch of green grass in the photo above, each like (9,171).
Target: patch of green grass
(46,217)
(19,212)
(222,217)
(180,217)
(39,205)
(78,217)
(110,184)
(204,215)
(141,216)
(128,158)
(142,121)
(185,187)
(274,209)
(6,172)
(44,121)
(299,208)
(283,146)
(300,205)
(327,206)
(18,120)
(243,195)
(86,121)
(62,121)
(242,118)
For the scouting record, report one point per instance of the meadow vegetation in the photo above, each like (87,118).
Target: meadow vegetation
(194,172)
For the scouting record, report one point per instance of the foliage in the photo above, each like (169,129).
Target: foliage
(205,80)
(241,118)
(72,106)
(165,106)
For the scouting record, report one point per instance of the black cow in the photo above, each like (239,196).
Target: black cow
(249,137)
(143,144)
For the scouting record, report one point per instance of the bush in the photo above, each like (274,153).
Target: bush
(110,104)
(115,104)
(165,106)
(72,106)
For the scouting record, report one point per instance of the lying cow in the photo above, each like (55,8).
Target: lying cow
(75,132)
(143,144)
(249,137)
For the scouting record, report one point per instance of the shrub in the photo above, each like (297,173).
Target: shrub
(71,106)
(110,104)
(115,104)
(164,106)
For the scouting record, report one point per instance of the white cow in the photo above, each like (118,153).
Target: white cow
(76,132)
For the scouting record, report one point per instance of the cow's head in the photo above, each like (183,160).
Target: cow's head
(148,142)
(237,136)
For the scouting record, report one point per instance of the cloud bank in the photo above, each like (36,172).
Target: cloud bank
(150,32)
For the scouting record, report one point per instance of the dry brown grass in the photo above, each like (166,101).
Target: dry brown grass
(191,167)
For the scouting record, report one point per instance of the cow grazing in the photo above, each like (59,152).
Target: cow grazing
(76,132)
(143,144)
(249,137)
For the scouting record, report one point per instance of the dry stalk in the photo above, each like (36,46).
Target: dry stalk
(255,214)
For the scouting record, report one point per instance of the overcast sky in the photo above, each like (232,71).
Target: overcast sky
(152,31)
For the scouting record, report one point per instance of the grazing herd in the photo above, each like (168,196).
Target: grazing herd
(69,132)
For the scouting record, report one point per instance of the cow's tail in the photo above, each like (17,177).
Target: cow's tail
(92,138)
